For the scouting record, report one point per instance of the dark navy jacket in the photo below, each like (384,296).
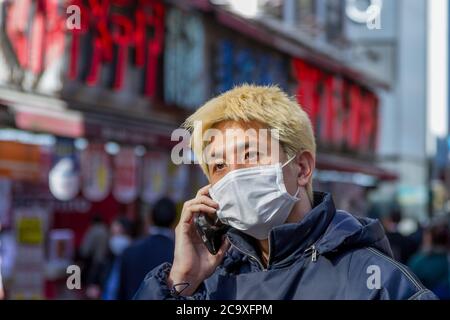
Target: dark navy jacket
(329,254)
(139,259)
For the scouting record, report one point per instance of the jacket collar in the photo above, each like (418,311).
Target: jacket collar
(290,240)
(161,231)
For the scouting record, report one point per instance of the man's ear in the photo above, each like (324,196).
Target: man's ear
(307,164)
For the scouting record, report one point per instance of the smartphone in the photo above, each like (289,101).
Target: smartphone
(211,231)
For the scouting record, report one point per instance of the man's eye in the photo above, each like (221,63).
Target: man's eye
(219,166)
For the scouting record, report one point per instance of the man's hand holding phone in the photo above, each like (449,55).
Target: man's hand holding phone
(192,262)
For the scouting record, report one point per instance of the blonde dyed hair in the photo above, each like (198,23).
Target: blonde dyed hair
(267,105)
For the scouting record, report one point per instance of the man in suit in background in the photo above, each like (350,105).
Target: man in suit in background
(147,253)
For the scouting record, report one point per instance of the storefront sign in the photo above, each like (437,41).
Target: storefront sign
(29,266)
(126,183)
(344,114)
(155,176)
(109,30)
(115,26)
(239,64)
(96,173)
(19,161)
(185,74)
(35,30)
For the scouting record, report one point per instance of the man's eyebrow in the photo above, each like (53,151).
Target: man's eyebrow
(238,146)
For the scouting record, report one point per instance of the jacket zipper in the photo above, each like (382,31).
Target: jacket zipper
(268,259)
(314,252)
(248,254)
(398,265)
(313,249)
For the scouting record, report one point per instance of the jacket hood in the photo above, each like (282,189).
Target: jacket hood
(328,229)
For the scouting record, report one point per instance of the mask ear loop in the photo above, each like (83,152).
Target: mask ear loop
(287,162)
(298,188)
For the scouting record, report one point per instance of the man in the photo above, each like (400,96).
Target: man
(146,254)
(285,241)
(403,247)
(120,237)
(2,292)
(93,252)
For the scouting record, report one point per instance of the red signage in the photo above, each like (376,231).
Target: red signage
(39,40)
(343,114)
(112,28)
(141,27)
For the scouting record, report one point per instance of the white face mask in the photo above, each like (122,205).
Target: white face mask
(254,200)
(118,244)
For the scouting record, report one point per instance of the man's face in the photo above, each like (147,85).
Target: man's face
(236,145)
(116,229)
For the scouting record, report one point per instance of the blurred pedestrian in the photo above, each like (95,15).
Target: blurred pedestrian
(8,255)
(151,251)
(120,239)
(402,246)
(93,251)
(432,264)
(2,292)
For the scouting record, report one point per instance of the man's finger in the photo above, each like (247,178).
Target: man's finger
(202,208)
(186,214)
(203,191)
(206,200)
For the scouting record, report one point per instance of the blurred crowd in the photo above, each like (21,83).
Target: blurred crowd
(425,249)
(114,263)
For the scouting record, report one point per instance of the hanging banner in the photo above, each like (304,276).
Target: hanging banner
(28,277)
(155,176)
(96,173)
(64,179)
(64,176)
(126,182)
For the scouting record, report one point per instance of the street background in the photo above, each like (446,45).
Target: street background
(91,91)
